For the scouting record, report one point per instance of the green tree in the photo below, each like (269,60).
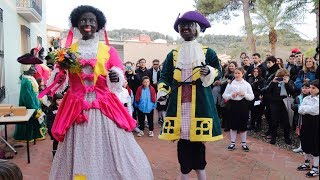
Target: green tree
(224,9)
(273,15)
(301,5)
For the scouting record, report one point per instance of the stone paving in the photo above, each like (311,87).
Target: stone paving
(264,161)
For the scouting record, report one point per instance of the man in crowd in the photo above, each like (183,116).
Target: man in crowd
(256,63)
(142,71)
(155,73)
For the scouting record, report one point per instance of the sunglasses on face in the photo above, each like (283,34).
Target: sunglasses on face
(155,64)
(186,24)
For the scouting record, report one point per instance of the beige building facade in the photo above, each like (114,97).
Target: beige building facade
(133,51)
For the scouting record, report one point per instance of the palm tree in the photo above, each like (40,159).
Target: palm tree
(273,15)
(224,9)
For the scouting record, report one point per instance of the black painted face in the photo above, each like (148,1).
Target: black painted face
(31,71)
(187,30)
(87,25)
(41,55)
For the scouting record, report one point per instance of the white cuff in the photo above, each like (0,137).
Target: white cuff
(209,79)
(159,94)
(116,86)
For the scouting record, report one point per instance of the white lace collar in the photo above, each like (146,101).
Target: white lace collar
(88,48)
(190,55)
(89,42)
(33,81)
(238,82)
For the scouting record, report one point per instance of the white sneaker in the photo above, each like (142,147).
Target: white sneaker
(297,150)
(151,134)
(141,133)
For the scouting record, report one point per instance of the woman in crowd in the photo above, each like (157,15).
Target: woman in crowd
(280,62)
(307,74)
(257,82)
(279,89)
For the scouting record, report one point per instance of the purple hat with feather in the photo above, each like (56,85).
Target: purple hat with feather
(29,59)
(193,16)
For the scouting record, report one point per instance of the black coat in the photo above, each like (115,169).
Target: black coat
(132,81)
(294,71)
(271,72)
(263,68)
(51,115)
(274,90)
(257,83)
(151,79)
(140,73)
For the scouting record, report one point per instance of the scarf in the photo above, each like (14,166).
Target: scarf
(283,91)
(152,91)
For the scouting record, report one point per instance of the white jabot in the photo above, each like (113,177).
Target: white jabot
(190,55)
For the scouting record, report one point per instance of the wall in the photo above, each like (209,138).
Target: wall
(11,26)
(133,51)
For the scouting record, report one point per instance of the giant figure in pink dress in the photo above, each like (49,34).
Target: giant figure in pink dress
(92,125)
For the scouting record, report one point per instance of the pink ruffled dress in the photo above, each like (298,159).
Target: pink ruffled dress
(94,127)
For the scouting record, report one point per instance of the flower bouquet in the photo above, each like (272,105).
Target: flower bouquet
(66,59)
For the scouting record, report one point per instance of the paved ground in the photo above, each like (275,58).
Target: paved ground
(264,161)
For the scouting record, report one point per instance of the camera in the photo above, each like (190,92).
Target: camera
(279,79)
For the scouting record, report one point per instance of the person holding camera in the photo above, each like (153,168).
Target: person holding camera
(280,88)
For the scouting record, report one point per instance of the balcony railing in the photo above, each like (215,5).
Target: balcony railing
(31,10)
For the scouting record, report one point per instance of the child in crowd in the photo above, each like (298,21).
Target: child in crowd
(51,114)
(298,117)
(309,133)
(228,77)
(9,171)
(145,101)
(279,90)
(238,92)
(257,82)
(127,98)
(162,107)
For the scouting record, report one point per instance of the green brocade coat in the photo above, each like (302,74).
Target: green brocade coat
(205,123)
(28,98)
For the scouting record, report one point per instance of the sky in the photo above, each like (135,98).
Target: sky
(151,15)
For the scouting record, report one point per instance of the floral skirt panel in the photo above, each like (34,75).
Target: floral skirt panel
(98,150)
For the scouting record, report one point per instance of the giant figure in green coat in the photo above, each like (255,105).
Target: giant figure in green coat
(190,56)
(185,81)
(28,98)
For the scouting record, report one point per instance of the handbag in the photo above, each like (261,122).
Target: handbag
(288,101)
